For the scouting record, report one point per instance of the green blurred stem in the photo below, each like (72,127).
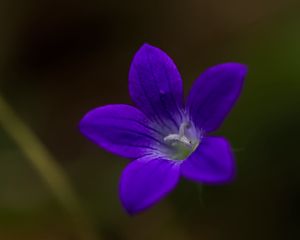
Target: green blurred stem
(48,169)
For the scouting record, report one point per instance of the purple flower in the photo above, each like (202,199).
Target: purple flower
(165,137)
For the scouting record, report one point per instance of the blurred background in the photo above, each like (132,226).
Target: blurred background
(59,59)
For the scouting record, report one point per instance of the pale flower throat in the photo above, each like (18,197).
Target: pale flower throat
(182,143)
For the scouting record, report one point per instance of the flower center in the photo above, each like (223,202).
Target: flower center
(183,143)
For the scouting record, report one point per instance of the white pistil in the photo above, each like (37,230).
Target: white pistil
(180,138)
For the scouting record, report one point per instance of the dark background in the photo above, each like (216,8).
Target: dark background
(59,59)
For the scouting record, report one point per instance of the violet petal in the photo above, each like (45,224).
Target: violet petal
(214,94)
(145,181)
(211,163)
(155,85)
(120,129)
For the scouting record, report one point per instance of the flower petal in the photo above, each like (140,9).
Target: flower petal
(211,163)
(214,94)
(155,84)
(120,129)
(145,181)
